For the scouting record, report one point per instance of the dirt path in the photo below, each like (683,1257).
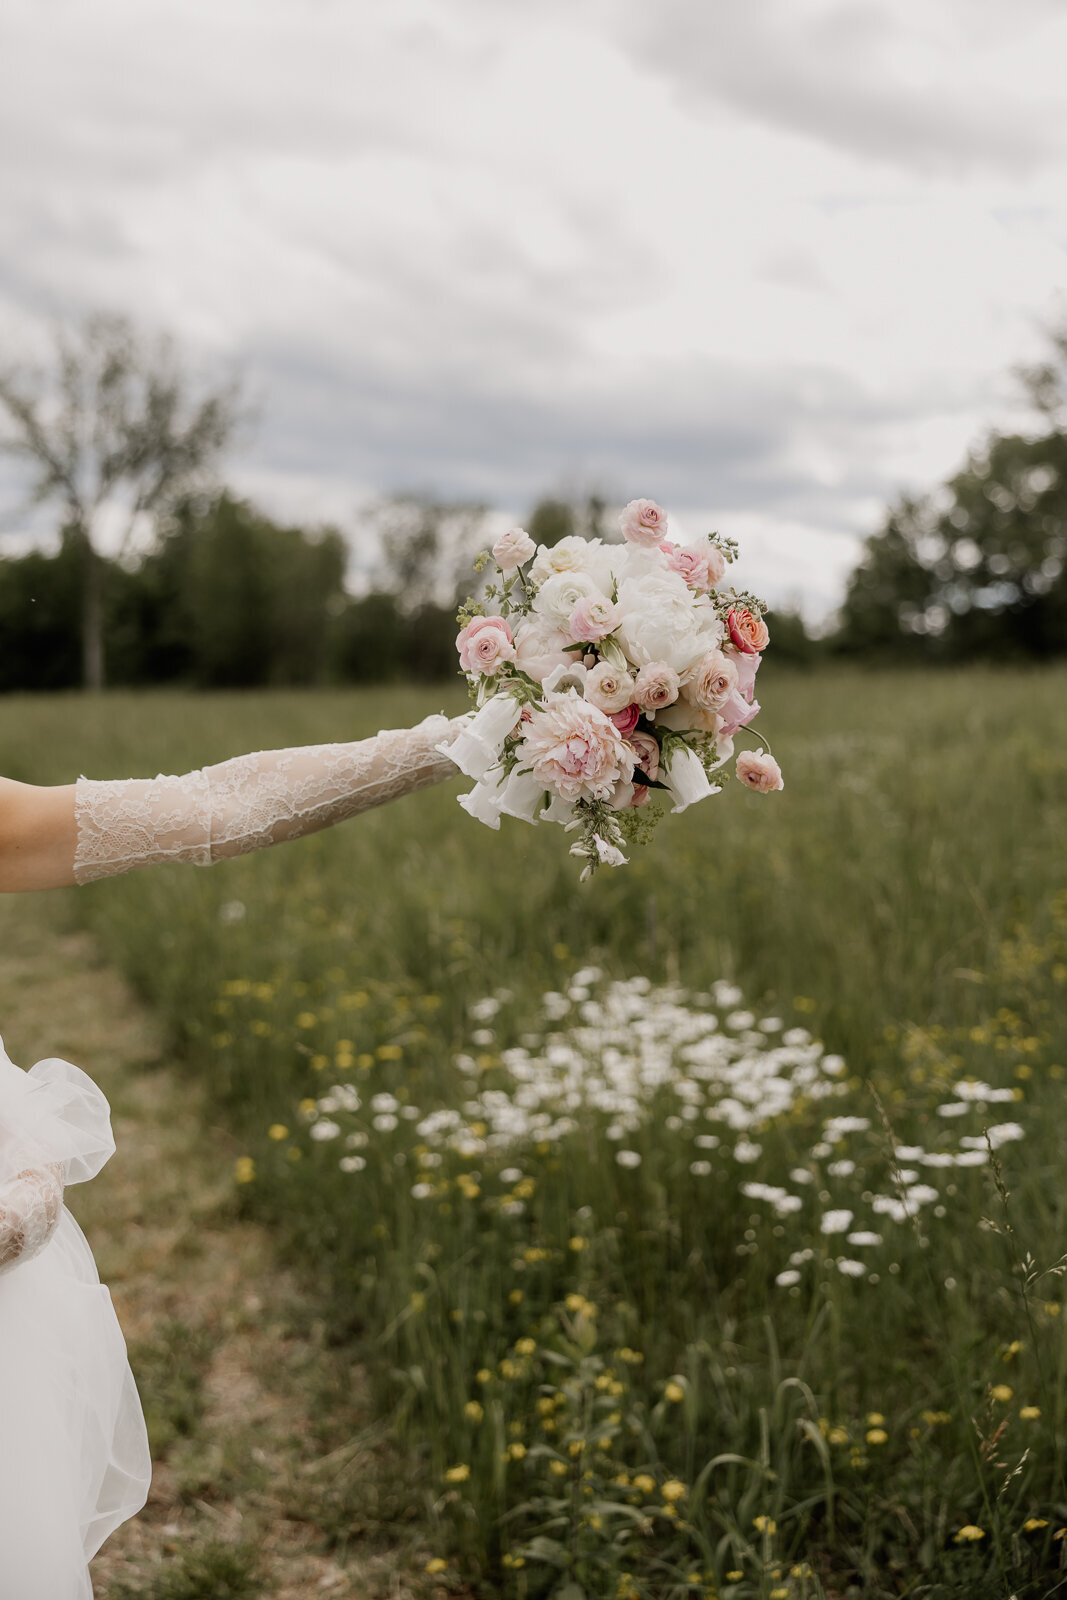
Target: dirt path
(267,1481)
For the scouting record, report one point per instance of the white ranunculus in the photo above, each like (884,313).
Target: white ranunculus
(574,554)
(539,647)
(660,621)
(686,779)
(477,747)
(559,594)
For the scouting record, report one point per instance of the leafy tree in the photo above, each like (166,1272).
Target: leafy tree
(426,547)
(980,566)
(111,434)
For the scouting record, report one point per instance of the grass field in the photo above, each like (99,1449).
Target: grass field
(703,1223)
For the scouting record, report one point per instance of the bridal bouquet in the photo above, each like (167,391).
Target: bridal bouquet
(602,672)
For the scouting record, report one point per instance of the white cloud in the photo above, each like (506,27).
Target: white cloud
(772,260)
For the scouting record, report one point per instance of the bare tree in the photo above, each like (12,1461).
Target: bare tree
(113,432)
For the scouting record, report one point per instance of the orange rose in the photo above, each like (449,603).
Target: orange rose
(748,632)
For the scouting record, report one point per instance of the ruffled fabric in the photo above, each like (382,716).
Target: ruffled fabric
(74,1456)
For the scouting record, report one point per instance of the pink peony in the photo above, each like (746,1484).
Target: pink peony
(593,618)
(712,681)
(759,771)
(747,631)
(484,645)
(643,522)
(575,751)
(609,688)
(656,687)
(512,549)
(626,720)
(691,562)
(716,565)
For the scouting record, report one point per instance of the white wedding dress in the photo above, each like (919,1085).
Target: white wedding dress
(74,1458)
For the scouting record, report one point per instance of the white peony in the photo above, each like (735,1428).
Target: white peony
(575,554)
(539,646)
(661,623)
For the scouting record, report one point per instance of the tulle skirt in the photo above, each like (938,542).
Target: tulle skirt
(74,1457)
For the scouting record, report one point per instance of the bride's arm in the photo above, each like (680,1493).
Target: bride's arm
(51,837)
(30,1206)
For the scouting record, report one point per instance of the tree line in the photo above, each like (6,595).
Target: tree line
(202,588)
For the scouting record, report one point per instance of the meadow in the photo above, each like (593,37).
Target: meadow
(703,1225)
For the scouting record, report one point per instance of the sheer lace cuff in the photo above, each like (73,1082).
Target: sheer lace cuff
(251,801)
(30,1206)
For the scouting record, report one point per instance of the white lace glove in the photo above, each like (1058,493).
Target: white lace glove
(251,801)
(31,1203)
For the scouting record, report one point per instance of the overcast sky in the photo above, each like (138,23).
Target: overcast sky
(766,261)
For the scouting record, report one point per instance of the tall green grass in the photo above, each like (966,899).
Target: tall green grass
(903,899)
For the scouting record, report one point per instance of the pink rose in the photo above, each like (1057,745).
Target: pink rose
(484,645)
(574,750)
(643,522)
(656,687)
(759,771)
(609,688)
(747,667)
(626,720)
(512,549)
(593,618)
(736,712)
(748,632)
(712,681)
(691,562)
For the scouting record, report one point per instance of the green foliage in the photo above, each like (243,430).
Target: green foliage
(900,898)
(170,1376)
(213,1570)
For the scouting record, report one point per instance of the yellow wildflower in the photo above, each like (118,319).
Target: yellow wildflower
(1032,1524)
(306,1019)
(633,1358)
(765,1525)
(779,1594)
(644,1483)
(673,1489)
(244,1169)
(508,1560)
(578,1243)
(969,1534)
(875,1419)
(473,1411)
(1029,1413)
(308,1107)
(483,1375)
(575,1302)
(674,1392)
(876,1436)
(1001,1391)
(559,1469)
(838,1436)
(458,1474)
(517,1451)
(734,1577)
(389,1052)
(515,1297)
(438,1564)
(525,1347)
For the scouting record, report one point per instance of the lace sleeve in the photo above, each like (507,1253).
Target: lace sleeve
(251,801)
(30,1206)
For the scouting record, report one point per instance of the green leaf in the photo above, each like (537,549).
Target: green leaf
(569,1591)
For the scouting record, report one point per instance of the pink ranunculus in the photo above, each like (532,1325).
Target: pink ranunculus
(575,750)
(656,687)
(712,681)
(609,688)
(716,565)
(625,720)
(759,771)
(643,522)
(512,549)
(747,631)
(736,712)
(484,645)
(593,618)
(747,667)
(691,562)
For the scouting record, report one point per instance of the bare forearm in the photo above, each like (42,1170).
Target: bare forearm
(38,837)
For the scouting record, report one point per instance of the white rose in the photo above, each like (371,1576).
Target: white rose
(574,554)
(559,594)
(660,621)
